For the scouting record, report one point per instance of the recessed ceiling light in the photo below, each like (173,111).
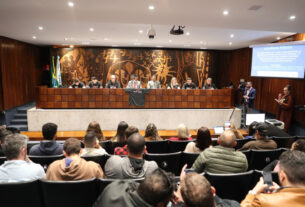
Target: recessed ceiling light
(34,37)
(70,4)
(225,12)
(105,38)
(292,17)
(71,46)
(91,29)
(230,43)
(232,35)
(66,38)
(278,38)
(40,27)
(188,33)
(151,7)
(141,31)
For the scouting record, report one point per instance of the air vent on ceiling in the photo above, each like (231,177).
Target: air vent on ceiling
(255,7)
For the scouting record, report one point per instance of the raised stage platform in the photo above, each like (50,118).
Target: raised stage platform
(165,119)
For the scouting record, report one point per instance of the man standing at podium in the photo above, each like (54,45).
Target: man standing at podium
(134,83)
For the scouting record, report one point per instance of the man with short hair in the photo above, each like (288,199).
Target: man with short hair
(18,167)
(73,167)
(209,85)
(77,84)
(48,146)
(94,83)
(223,158)
(92,146)
(132,166)
(153,83)
(189,84)
(261,142)
(134,83)
(113,83)
(155,190)
(3,133)
(292,179)
(249,97)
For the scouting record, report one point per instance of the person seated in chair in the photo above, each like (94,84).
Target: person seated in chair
(173,84)
(77,84)
(134,83)
(73,167)
(132,166)
(209,85)
(151,133)
(155,190)
(153,83)
(183,134)
(261,142)
(94,83)
(189,84)
(18,166)
(202,142)
(92,146)
(113,83)
(49,146)
(222,159)
(292,179)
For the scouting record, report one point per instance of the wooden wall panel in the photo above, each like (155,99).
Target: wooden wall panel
(21,65)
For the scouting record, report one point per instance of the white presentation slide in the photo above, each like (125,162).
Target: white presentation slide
(282,61)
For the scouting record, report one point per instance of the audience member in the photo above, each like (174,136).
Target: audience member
(189,84)
(18,167)
(120,133)
(95,126)
(155,190)
(252,130)
(151,133)
(271,131)
(132,166)
(3,133)
(275,164)
(49,146)
(73,167)
(92,146)
(128,132)
(183,134)
(202,142)
(222,158)
(237,133)
(292,179)
(261,142)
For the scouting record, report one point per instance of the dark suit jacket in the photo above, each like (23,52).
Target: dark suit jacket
(251,96)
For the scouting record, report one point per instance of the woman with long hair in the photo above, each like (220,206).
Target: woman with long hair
(203,141)
(151,133)
(173,84)
(95,126)
(120,133)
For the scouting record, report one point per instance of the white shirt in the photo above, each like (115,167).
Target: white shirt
(93,152)
(20,170)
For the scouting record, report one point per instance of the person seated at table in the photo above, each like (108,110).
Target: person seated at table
(173,84)
(94,83)
(261,142)
(48,146)
(202,142)
(95,126)
(113,83)
(134,83)
(77,84)
(133,166)
(189,84)
(153,83)
(209,84)
(120,133)
(183,134)
(151,133)
(73,167)
(92,146)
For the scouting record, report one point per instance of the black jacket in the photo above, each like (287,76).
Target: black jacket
(46,148)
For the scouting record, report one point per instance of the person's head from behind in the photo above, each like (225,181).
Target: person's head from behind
(157,188)
(183,131)
(287,90)
(95,126)
(209,81)
(189,81)
(196,191)
(261,130)
(112,78)
(131,130)
(227,139)
(203,138)
(252,128)
(72,147)
(15,147)
(249,84)
(120,133)
(3,133)
(90,139)
(151,131)
(136,145)
(94,79)
(49,131)
(292,170)
(299,145)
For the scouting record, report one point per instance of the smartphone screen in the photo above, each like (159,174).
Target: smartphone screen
(267,176)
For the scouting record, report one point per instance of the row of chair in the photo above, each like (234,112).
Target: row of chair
(173,162)
(166,146)
(43,193)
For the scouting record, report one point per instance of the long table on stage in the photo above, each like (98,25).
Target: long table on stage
(87,98)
